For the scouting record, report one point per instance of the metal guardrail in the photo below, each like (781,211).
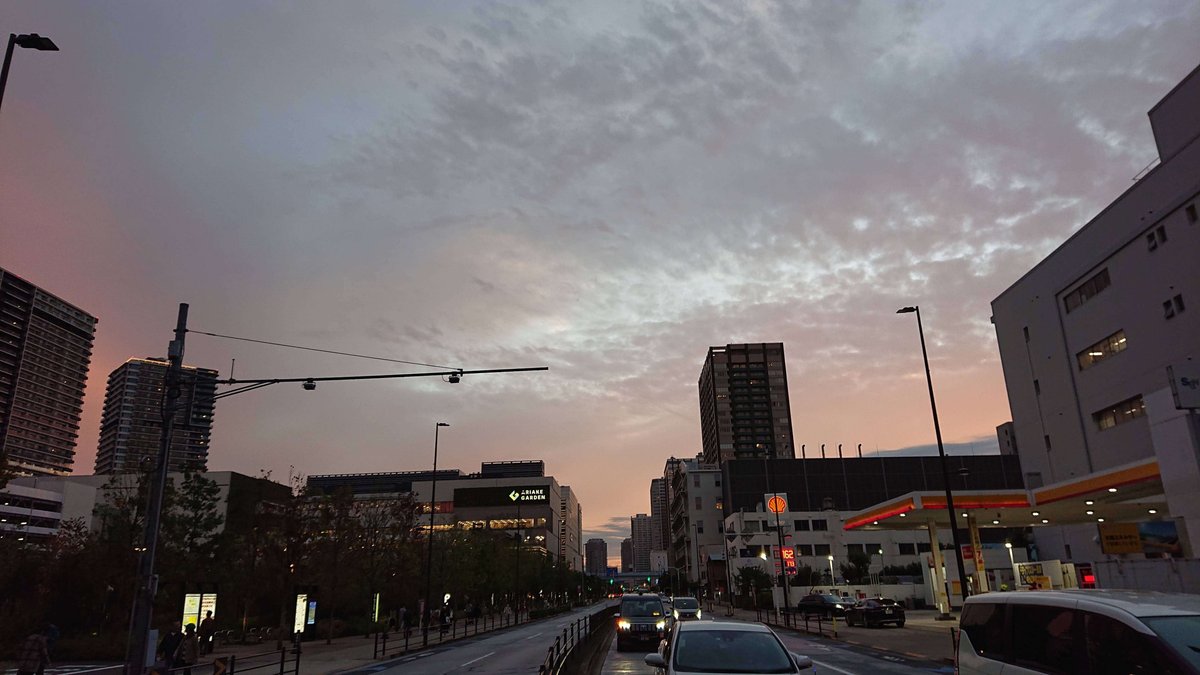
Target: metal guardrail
(409,638)
(572,635)
(811,623)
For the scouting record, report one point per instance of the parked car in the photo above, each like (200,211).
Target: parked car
(821,604)
(871,612)
(1079,631)
(721,647)
(641,619)
(686,609)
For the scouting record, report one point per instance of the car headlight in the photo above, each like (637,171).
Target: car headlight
(622,624)
(699,612)
(676,612)
(661,625)
(839,607)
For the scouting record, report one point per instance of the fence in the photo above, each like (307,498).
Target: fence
(576,635)
(413,637)
(811,623)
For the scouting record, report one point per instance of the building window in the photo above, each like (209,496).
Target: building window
(908,549)
(802,526)
(699,527)
(1125,411)
(1190,210)
(696,480)
(750,527)
(821,549)
(923,547)
(1087,290)
(851,549)
(720,527)
(1155,237)
(804,549)
(820,526)
(1101,350)
(697,502)
(873,549)
(1173,306)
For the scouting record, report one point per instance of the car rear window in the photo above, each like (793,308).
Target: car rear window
(983,622)
(731,651)
(1182,633)
(639,607)
(1044,638)
(686,603)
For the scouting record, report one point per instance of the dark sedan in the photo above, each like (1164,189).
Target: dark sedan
(822,604)
(875,612)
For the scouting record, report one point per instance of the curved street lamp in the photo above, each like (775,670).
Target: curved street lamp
(937,430)
(30,41)
(428,610)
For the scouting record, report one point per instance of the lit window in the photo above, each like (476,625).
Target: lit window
(1101,350)
(1125,411)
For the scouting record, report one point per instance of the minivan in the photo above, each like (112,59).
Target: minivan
(1079,631)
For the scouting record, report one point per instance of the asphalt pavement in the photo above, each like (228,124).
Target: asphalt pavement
(829,656)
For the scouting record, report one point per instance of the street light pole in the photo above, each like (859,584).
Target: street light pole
(937,430)
(832,579)
(143,602)
(428,610)
(30,41)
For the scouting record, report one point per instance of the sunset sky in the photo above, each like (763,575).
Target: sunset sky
(605,188)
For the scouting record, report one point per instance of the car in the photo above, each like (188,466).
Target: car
(1072,631)
(821,604)
(641,619)
(870,612)
(686,609)
(725,647)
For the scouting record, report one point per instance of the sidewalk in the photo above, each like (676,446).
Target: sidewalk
(923,637)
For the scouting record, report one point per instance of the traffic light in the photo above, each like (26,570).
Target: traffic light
(610,582)
(647,579)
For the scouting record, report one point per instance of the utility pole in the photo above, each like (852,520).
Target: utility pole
(143,604)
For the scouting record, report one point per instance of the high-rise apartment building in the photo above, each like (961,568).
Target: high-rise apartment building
(627,554)
(744,409)
(640,531)
(1100,344)
(597,557)
(131,425)
(45,350)
(570,518)
(658,514)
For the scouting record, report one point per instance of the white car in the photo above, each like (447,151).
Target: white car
(722,647)
(1079,631)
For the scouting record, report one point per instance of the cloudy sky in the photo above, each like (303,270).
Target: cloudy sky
(604,188)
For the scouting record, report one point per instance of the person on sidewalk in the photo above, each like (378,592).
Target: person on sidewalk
(34,656)
(168,646)
(189,649)
(207,628)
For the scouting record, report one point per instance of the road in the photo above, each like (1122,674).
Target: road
(828,657)
(516,650)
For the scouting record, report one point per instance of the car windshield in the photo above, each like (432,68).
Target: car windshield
(1181,632)
(829,598)
(686,603)
(730,651)
(637,607)
(886,601)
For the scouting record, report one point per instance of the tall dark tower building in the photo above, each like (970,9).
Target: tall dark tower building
(45,349)
(131,426)
(744,409)
(597,557)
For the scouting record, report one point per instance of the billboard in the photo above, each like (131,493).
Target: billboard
(301,610)
(502,495)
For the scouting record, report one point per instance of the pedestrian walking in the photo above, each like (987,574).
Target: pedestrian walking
(34,656)
(168,647)
(189,649)
(207,628)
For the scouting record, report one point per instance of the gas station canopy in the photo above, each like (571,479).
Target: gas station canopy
(1128,493)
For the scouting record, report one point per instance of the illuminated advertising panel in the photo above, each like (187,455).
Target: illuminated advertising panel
(301,608)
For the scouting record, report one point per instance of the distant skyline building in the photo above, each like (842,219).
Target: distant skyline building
(658,514)
(627,554)
(131,425)
(744,408)
(640,533)
(597,557)
(45,351)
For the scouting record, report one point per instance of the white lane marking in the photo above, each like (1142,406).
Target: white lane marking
(464,665)
(533,636)
(826,665)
